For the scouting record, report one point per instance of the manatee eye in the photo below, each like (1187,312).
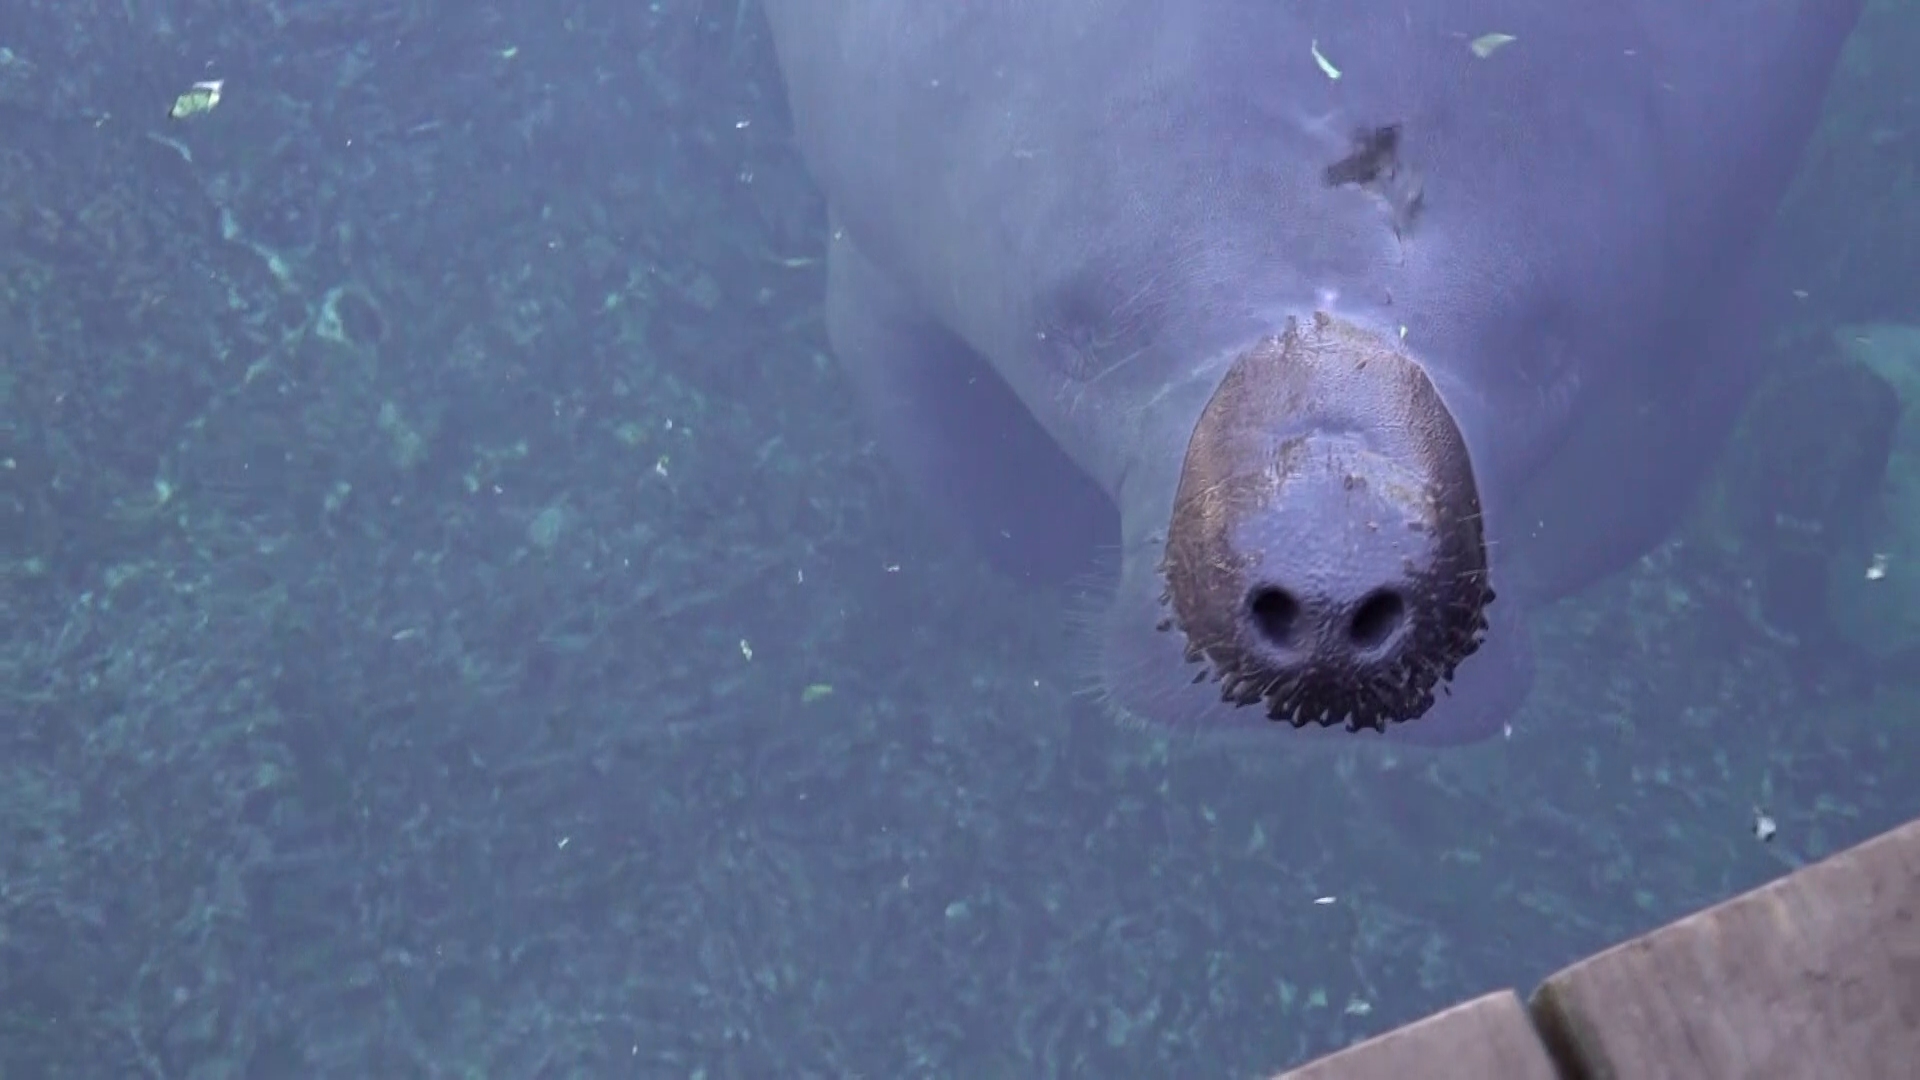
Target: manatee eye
(1106,311)
(1075,347)
(1081,327)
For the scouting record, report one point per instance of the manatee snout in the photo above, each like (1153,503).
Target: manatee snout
(1325,559)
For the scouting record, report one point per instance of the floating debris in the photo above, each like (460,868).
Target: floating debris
(200,98)
(1764,826)
(1320,59)
(1487,44)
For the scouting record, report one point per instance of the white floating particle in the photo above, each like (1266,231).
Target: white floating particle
(201,97)
(1487,44)
(1326,65)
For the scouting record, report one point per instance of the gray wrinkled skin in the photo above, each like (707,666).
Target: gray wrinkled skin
(1108,204)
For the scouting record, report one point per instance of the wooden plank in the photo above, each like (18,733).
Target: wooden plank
(1814,976)
(1488,1038)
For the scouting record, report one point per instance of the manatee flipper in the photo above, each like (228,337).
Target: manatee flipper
(955,430)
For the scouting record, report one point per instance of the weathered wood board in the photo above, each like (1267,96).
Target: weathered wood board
(1488,1038)
(1814,976)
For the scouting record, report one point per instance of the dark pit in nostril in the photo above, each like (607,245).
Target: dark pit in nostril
(1377,617)
(1275,614)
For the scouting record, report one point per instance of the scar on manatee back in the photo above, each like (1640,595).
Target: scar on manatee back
(1374,165)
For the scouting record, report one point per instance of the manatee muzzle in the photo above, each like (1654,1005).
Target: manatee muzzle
(1325,559)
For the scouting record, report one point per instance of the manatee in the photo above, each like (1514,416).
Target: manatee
(1361,329)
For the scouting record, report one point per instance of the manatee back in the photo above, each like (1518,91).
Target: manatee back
(1104,196)
(1101,196)
(1159,167)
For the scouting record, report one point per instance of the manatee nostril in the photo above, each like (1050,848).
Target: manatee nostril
(1275,612)
(1378,616)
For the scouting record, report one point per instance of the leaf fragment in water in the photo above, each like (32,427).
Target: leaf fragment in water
(1320,59)
(1487,44)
